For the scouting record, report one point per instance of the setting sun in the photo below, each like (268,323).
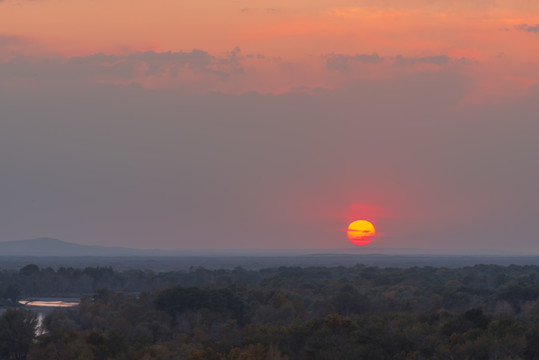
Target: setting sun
(361,232)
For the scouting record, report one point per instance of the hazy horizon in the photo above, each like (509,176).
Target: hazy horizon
(35,246)
(208,125)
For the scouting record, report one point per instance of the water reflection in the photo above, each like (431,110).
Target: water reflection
(49,303)
(43,306)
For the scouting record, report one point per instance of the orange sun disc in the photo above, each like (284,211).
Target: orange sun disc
(361,232)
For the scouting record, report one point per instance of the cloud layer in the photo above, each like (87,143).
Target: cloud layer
(527,28)
(153,168)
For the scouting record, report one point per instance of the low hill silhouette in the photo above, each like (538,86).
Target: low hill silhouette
(45,246)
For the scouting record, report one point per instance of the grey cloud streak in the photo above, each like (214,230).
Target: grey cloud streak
(435,60)
(525,27)
(194,70)
(7,41)
(126,66)
(342,62)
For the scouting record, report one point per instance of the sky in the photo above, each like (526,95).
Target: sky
(205,124)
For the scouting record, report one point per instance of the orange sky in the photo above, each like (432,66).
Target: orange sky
(277,28)
(296,35)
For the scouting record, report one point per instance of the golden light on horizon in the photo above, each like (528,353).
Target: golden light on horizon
(361,232)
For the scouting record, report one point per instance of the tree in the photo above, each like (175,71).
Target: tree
(58,321)
(17,331)
(13,293)
(29,270)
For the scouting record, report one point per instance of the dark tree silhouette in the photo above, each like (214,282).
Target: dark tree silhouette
(17,331)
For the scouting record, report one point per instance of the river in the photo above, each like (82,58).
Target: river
(43,306)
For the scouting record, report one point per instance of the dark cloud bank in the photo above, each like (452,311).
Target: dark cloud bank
(344,62)
(525,27)
(121,165)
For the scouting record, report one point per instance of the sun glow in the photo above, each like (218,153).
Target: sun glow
(361,232)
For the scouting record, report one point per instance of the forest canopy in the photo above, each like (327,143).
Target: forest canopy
(479,312)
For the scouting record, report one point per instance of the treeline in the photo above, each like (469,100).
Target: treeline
(494,288)
(480,312)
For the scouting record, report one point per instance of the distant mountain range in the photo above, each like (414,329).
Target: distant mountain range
(53,247)
(47,247)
